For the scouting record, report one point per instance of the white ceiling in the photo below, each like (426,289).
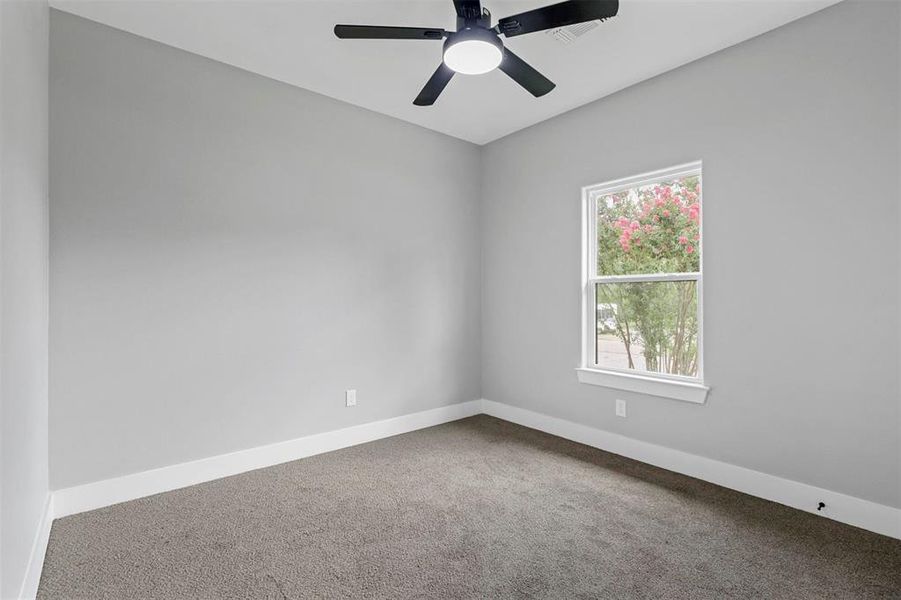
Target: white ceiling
(292,41)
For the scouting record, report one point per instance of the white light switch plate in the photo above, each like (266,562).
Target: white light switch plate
(620,408)
(350,397)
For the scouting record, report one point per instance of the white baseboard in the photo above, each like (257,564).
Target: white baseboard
(98,494)
(840,507)
(35,564)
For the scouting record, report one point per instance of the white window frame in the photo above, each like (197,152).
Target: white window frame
(679,387)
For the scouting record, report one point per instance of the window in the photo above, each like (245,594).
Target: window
(642,284)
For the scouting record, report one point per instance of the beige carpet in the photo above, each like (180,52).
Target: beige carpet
(479,508)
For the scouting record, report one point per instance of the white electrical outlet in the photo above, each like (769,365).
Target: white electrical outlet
(620,408)
(350,397)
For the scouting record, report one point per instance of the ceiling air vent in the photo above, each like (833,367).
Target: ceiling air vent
(569,34)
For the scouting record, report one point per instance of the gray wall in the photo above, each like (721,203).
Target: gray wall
(229,254)
(23,283)
(798,131)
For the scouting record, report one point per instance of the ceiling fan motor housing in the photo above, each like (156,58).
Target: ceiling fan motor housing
(469,14)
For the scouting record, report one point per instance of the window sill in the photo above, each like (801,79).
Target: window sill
(686,391)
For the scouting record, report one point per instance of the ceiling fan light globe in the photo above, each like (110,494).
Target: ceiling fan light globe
(472,57)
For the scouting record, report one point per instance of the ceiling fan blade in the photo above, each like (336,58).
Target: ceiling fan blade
(377,32)
(558,15)
(434,86)
(468,9)
(522,73)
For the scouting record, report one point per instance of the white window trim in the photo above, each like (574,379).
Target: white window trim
(688,389)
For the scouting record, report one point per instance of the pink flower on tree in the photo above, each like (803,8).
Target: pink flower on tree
(624,240)
(693,212)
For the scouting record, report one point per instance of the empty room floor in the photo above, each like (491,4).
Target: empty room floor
(477,508)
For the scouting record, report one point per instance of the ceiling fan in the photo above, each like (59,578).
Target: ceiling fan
(476,48)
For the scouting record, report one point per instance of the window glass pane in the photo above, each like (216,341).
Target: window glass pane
(650,228)
(648,326)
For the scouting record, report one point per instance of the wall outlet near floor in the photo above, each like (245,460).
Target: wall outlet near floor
(350,398)
(620,408)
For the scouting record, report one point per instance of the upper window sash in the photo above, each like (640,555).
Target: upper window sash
(593,192)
